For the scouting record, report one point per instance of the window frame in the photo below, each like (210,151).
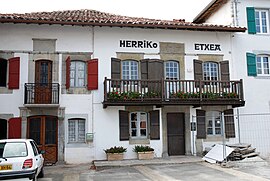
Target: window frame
(260,25)
(76,74)
(129,69)
(212,116)
(76,130)
(138,125)
(209,71)
(261,69)
(167,69)
(5,71)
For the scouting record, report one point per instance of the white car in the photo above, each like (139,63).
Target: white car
(20,158)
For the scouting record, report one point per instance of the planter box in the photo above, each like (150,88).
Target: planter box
(115,156)
(145,155)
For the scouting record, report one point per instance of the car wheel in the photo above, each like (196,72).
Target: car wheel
(35,178)
(41,173)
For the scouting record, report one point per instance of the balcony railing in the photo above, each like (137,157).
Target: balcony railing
(172,92)
(41,93)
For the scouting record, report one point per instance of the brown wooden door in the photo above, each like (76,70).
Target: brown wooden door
(43,129)
(176,133)
(43,82)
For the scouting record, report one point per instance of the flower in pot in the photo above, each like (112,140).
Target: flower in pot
(144,152)
(115,153)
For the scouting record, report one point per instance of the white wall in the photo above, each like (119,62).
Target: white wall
(104,123)
(223,16)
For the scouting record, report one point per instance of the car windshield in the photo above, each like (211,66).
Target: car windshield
(13,149)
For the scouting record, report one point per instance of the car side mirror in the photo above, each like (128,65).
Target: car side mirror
(42,151)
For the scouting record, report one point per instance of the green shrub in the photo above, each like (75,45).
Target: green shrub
(116,149)
(142,148)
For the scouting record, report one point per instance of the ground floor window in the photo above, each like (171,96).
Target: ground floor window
(76,130)
(213,123)
(138,124)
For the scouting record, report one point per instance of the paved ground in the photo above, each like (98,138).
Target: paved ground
(162,170)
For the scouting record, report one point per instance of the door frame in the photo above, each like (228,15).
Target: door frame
(184,133)
(43,134)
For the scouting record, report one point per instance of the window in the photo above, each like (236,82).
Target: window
(138,124)
(213,123)
(76,130)
(3,73)
(262,65)
(172,70)
(34,148)
(13,149)
(210,71)
(130,70)
(261,21)
(77,74)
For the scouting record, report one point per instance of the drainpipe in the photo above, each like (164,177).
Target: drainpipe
(235,11)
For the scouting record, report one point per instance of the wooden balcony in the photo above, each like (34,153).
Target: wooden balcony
(35,93)
(172,92)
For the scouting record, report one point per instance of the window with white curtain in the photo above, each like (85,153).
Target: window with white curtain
(213,121)
(261,20)
(138,124)
(77,74)
(262,65)
(210,71)
(172,70)
(76,130)
(130,70)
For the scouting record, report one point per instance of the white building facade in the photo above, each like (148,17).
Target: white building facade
(250,51)
(80,87)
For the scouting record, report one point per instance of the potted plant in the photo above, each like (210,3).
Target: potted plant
(144,152)
(115,153)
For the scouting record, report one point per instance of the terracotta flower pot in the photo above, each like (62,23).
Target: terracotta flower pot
(145,155)
(115,156)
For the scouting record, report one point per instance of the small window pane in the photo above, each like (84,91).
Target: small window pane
(77,74)
(76,130)
(71,131)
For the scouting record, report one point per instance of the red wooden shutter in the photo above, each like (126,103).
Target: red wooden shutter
(92,74)
(68,72)
(15,127)
(14,73)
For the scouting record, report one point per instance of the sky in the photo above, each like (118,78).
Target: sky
(157,9)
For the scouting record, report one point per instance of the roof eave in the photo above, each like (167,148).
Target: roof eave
(152,26)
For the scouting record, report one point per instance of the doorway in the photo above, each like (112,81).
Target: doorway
(43,129)
(43,82)
(3,129)
(176,133)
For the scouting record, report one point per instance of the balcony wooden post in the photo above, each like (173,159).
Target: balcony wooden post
(242,89)
(200,89)
(162,89)
(105,89)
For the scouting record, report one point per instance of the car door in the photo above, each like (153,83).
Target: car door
(37,156)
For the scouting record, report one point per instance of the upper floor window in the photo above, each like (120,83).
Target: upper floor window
(261,21)
(138,124)
(76,130)
(77,74)
(210,71)
(262,65)
(130,70)
(213,123)
(3,73)
(172,70)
